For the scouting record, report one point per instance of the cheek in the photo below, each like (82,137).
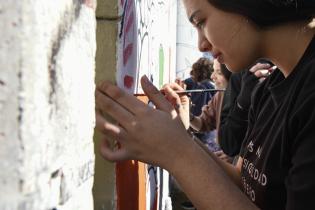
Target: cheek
(244,50)
(215,34)
(225,83)
(221,80)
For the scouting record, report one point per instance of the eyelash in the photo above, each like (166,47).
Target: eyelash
(200,24)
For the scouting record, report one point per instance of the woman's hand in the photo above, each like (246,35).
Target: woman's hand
(180,102)
(143,133)
(220,154)
(262,70)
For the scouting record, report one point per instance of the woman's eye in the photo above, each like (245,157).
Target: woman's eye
(200,24)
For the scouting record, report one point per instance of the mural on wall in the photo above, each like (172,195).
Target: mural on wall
(146,48)
(127,54)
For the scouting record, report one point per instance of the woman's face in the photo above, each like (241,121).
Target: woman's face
(229,37)
(217,76)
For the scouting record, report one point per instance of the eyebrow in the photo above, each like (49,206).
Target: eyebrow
(192,16)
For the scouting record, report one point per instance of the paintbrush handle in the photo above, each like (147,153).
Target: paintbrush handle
(188,91)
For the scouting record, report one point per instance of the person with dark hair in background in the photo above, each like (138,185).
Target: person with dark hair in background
(200,79)
(277,160)
(209,118)
(205,114)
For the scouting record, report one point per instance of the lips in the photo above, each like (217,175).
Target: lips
(218,56)
(215,56)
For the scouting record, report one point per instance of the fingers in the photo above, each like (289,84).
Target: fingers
(262,73)
(127,101)
(260,69)
(155,95)
(100,122)
(180,82)
(179,101)
(219,153)
(118,104)
(172,95)
(259,66)
(107,105)
(112,132)
(110,154)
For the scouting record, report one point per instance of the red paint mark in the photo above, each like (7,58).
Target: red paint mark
(127,53)
(90,3)
(128,81)
(129,23)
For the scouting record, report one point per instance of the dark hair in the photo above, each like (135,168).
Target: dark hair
(202,69)
(266,13)
(226,73)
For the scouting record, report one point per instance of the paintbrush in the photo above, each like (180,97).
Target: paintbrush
(182,92)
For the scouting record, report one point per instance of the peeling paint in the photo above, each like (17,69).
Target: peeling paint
(63,29)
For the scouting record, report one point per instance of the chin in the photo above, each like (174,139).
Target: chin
(235,67)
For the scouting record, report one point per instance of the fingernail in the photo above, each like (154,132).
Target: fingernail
(147,85)
(146,80)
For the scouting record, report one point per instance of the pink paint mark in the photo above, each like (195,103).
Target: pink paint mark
(128,81)
(129,23)
(90,3)
(127,53)
(129,6)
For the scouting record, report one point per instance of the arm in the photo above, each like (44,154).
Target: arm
(164,144)
(232,171)
(206,184)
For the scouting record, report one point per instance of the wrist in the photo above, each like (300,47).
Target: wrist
(240,106)
(243,102)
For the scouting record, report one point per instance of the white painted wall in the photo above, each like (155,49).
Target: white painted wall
(187,43)
(46,104)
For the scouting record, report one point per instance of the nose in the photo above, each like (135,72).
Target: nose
(213,77)
(203,44)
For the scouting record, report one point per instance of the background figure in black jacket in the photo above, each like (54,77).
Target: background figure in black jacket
(235,106)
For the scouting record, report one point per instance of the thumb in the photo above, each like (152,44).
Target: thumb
(155,95)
